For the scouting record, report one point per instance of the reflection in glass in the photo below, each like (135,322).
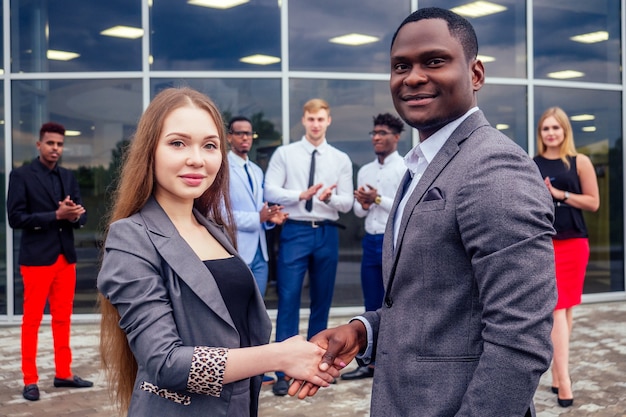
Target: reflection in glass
(577,40)
(65,36)
(501,33)
(602,111)
(505,108)
(103,114)
(357,40)
(188,37)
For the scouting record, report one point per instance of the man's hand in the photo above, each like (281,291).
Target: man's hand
(310,192)
(366,196)
(69,210)
(342,344)
(273,214)
(325,195)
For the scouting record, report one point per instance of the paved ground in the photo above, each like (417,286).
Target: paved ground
(598,357)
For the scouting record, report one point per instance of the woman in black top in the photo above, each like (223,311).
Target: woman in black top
(571,179)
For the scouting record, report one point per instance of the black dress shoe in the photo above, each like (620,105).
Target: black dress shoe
(31,392)
(73,382)
(555,390)
(281,387)
(359,373)
(565,403)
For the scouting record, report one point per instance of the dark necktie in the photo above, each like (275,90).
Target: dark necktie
(309,203)
(245,166)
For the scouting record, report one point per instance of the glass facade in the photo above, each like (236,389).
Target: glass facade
(95,66)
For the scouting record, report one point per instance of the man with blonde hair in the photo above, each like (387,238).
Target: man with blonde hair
(312,180)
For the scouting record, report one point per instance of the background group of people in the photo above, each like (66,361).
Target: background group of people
(458,269)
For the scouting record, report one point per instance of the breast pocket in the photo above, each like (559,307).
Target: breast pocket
(431,205)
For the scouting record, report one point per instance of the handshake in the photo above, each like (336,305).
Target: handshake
(315,364)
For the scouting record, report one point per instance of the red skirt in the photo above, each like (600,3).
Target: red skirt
(571,257)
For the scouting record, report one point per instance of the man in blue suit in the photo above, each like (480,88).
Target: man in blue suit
(44,202)
(252,215)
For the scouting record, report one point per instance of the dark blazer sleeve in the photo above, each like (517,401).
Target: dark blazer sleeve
(27,202)
(70,184)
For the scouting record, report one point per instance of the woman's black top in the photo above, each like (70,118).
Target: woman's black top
(568,221)
(237,287)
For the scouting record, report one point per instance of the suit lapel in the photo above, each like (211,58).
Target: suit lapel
(447,152)
(240,173)
(183,260)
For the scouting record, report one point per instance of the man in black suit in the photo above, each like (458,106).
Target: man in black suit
(44,201)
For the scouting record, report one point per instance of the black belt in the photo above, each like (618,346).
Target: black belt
(314,224)
(561,204)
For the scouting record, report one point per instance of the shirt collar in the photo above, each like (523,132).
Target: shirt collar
(389,158)
(429,148)
(310,148)
(240,161)
(44,168)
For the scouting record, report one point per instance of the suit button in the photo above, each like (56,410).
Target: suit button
(388,302)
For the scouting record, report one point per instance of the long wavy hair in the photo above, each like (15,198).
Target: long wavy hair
(136,185)
(568,148)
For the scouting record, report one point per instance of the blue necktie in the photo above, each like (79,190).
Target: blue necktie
(245,166)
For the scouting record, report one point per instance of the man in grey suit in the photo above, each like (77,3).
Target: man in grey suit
(468,269)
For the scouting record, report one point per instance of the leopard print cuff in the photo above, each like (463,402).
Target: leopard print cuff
(206,375)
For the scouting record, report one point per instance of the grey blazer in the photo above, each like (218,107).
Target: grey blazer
(175,319)
(464,329)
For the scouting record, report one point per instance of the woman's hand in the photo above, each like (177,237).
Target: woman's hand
(301,361)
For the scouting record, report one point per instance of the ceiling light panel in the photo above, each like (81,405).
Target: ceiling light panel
(566,74)
(354,39)
(217,4)
(582,117)
(260,59)
(61,55)
(478,9)
(126,32)
(592,37)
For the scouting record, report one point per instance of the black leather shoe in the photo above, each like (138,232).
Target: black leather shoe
(555,390)
(73,382)
(565,403)
(31,392)
(281,387)
(359,373)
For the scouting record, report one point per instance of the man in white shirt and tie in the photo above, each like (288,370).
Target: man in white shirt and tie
(313,181)
(377,183)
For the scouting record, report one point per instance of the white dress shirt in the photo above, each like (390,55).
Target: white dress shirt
(386,178)
(287,176)
(417,160)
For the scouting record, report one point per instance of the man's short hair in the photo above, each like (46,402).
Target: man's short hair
(237,119)
(459,27)
(314,105)
(51,127)
(388,119)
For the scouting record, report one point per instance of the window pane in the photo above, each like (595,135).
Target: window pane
(314,24)
(352,106)
(40,28)
(505,108)
(188,37)
(501,36)
(102,115)
(595,57)
(603,145)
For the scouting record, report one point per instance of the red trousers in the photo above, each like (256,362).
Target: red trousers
(55,283)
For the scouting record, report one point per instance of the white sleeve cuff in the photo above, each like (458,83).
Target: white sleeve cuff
(366,357)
